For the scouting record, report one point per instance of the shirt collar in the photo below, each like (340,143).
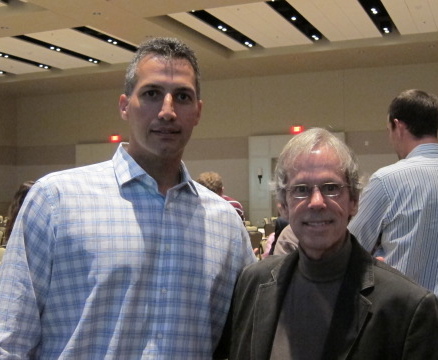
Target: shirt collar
(126,169)
(421,149)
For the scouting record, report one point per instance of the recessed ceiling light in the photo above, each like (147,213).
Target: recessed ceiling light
(287,11)
(214,22)
(104,37)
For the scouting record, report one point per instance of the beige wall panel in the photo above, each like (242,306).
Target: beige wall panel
(368,164)
(369,142)
(8,155)
(217,148)
(46,155)
(61,119)
(368,92)
(8,121)
(227,109)
(312,99)
(8,186)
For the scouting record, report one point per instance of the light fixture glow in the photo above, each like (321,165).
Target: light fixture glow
(293,18)
(115,138)
(374,11)
(296,129)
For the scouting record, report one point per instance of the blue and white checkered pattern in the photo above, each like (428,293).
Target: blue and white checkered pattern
(100,265)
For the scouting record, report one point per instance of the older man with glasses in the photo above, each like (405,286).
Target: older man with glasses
(330,299)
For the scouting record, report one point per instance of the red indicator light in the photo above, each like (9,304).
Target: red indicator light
(296,129)
(115,138)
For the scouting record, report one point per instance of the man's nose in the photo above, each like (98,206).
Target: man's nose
(167,110)
(316,198)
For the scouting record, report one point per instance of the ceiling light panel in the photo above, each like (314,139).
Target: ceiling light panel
(84,44)
(262,24)
(17,67)
(413,16)
(337,20)
(222,26)
(208,31)
(40,54)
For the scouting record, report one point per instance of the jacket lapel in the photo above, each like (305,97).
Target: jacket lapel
(268,303)
(352,308)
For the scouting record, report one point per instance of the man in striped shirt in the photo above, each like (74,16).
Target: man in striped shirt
(398,209)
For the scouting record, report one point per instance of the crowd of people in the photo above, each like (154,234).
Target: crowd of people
(133,259)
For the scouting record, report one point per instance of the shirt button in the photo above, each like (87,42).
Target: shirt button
(159,336)
(163,291)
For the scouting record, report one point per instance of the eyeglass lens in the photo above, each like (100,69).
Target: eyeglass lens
(303,191)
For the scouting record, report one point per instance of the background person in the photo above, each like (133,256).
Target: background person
(213,181)
(121,260)
(397,217)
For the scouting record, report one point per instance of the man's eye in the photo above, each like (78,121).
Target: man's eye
(150,93)
(331,187)
(183,97)
(301,189)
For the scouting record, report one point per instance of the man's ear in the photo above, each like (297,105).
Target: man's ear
(400,124)
(198,116)
(401,128)
(123,106)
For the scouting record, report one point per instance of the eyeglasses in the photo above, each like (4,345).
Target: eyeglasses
(303,191)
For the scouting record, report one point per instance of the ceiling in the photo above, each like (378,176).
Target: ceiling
(351,39)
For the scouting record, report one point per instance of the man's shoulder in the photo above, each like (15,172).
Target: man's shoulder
(391,281)
(78,173)
(410,164)
(209,196)
(262,269)
(231,200)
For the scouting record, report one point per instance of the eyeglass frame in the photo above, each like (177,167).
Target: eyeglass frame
(312,187)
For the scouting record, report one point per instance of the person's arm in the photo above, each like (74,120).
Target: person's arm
(422,337)
(25,277)
(367,224)
(287,242)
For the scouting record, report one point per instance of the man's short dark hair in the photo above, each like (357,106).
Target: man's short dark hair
(168,48)
(418,110)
